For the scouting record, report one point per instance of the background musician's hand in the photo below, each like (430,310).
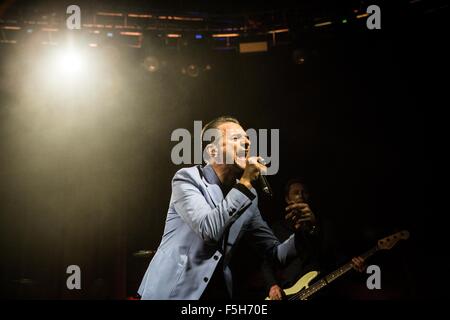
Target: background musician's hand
(276,293)
(299,212)
(358,264)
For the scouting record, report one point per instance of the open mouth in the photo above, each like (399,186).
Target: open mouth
(242,155)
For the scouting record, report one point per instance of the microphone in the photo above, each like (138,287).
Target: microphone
(262,181)
(264,185)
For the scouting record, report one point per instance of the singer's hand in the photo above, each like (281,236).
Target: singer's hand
(299,212)
(252,170)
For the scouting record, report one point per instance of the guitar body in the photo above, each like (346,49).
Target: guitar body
(301,284)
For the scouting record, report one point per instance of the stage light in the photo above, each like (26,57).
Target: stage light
(359,16)
(191,70)
(323,24)
(151,64)
(278,31)
(299,56)
(225,35)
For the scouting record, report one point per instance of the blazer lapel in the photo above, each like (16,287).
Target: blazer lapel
(211,182)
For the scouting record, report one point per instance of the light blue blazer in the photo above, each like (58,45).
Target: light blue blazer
(201,228)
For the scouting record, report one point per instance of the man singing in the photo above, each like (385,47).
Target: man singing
(210,209)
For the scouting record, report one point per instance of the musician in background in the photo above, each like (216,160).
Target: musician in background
(314,249)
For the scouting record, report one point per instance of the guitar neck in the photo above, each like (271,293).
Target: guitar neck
(348,266)
(304,294)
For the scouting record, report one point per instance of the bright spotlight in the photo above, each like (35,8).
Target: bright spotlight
(70,61)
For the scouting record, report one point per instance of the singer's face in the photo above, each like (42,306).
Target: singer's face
(234,145)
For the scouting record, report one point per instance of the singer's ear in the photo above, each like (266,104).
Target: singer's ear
(211,150)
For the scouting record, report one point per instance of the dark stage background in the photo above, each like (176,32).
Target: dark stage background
(85,173)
